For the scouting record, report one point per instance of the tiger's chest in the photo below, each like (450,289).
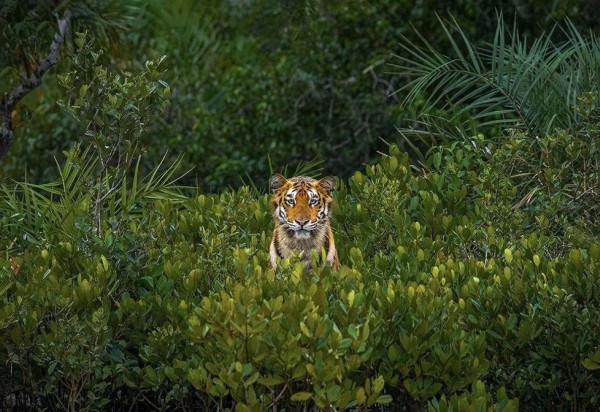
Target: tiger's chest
(284,246)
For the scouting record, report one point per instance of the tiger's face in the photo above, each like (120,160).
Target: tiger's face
(302,204)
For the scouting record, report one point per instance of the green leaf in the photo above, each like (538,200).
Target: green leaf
(508,255)
(590,364)
(361,397)
(345,343)
(437,160)
(384,399)
(271,380)
(352,331)
(301,396)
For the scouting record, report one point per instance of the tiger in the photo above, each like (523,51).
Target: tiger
(301,210)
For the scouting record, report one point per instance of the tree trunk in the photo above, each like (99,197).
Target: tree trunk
(9,102)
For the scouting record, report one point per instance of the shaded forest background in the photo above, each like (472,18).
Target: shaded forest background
(255,86)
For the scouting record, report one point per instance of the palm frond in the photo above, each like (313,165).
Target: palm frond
(105,18)
(313,168)
(511,83)
(31,211)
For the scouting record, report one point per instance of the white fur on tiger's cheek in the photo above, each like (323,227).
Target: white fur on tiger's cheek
(281,215)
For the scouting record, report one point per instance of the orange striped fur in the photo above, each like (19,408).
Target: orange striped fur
(301,208)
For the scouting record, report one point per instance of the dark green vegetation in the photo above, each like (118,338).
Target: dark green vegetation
(254,83)
(446,287)
(470,251)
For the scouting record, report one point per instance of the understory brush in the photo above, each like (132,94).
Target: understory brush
(454,294)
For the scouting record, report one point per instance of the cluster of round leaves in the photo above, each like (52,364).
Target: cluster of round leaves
(434,306)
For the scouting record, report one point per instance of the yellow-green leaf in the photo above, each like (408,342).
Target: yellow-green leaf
(351,298)
(304,329)
(590,364)
(508,255)
(360,396)
(301,396)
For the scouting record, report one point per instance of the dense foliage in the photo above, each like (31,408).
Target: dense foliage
(449,296)
(530,85)
(256,84)
(470,252)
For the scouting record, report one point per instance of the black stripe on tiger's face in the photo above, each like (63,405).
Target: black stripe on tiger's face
(301,204)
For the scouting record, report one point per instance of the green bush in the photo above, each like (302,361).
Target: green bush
(169,302)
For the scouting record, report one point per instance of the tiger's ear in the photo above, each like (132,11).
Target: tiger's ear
(327,184)
(276,181)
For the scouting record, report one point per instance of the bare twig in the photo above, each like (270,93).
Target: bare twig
(276,400)
(27,84)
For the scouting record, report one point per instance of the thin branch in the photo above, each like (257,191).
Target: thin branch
(276,400)
(27,84)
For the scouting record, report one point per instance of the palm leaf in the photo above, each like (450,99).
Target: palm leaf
(507,84)
(32,211)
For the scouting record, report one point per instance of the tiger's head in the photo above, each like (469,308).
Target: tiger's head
(302,204)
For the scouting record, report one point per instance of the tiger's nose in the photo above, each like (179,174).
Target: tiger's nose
(302,222)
